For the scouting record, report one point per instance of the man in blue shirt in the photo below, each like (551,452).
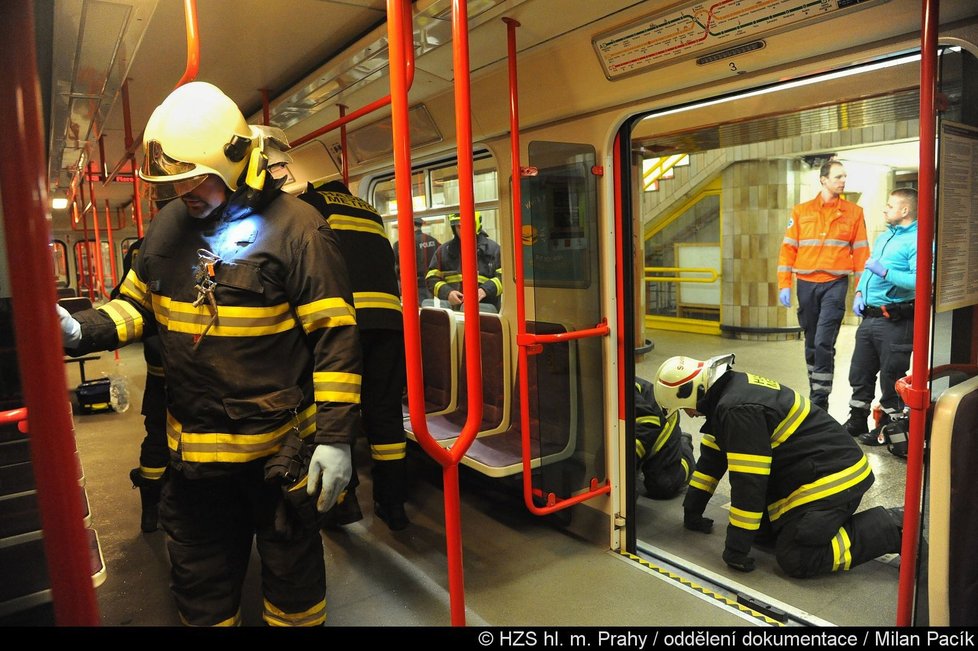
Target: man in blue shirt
(885,299)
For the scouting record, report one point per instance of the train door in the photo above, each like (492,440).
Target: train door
(726,214)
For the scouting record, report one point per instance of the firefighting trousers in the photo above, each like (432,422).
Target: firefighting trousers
(381,392)
(210,525)
(835,539)
(821,307)
(665,475)
(883,347)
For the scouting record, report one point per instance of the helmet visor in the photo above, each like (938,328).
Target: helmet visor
(157,166)
(166,190)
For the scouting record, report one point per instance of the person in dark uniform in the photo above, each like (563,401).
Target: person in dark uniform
(154,456)
(663,451)
(248,291)
(424,250)
(795,474)
(444,276)
(370,263)
(885,300)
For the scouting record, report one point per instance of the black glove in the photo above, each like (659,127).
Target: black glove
(738,561)
(289,468)
(696,522)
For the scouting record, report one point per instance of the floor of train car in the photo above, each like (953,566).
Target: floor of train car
(864,596)
(518,569)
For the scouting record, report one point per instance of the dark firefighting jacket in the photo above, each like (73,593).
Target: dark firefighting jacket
(784,457)
(368,254)
(445,275)
(658,443)
(283,352)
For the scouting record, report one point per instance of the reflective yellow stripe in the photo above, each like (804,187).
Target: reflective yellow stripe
(348,223)
(336,387)
(651,420)
(685,469)
(151,474)
(227,623)
(752,464)
(499,286)
(326,313)
(799,411)
(703,482)
(232,321)
(127,319)
(382,300)
(822,488)
(750,520)
(136,289)
(666,432)
(155,371)
(314,616)
(841,551)
(709,441)
(639,449)
(388,451)
(210,447)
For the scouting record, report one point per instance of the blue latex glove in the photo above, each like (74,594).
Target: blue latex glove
(70,328)
(331,467)
(875,267)
(785,297)
(858,304)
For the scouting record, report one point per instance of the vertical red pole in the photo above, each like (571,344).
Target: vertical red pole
(108,233)
(23,177)
(346,158)
(99,272)
(919,395)
(137,208)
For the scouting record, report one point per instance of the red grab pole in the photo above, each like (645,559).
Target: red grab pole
(24,181)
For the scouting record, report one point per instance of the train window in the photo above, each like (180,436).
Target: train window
(559,246)
(434,192)
(84,251)
(59,259)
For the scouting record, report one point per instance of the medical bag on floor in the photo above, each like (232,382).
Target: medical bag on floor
(93,396)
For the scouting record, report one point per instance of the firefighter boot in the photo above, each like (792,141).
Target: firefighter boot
(390,486)
(856,424)
(877,436)
(149,497)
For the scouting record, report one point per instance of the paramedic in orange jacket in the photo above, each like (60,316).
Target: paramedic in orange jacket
(824,243)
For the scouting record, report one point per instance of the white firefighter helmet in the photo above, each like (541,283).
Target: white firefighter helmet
(682,381)
(196,131)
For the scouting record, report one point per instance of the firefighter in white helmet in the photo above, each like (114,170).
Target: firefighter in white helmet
(796,476)
(250,296)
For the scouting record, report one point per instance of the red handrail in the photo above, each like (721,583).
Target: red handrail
(12,416)
(918,398)
(447,458)
(137,207)
(189,74)
(408,55)
(23,177)
(99,274)
(525,340)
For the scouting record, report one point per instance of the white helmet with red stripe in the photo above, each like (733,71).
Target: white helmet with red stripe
(681,382)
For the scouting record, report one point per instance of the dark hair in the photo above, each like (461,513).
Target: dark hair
(909,195)
(826,168)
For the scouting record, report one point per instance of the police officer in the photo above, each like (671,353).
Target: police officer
(370,263)
(663,451)
(794,471)
(444,276)
(248,292)
(884,298)
(824,243)
(424,250)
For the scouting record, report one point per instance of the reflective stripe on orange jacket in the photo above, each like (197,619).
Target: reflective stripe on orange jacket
(823,242)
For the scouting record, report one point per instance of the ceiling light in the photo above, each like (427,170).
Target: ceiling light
(59,203)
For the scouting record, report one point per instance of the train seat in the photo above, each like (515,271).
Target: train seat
(553,419)
(496,351)
(440,344)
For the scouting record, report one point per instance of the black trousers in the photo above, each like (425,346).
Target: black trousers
(154,455)
(821,307)
(883,347)
(835,539)
(381,392)
(210,525)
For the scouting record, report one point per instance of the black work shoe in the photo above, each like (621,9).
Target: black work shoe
(873,439)
(393,514)
(149,499)
(345,512)
(856,425)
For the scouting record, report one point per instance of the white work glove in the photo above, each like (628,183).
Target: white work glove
(330,463)
(71,333)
